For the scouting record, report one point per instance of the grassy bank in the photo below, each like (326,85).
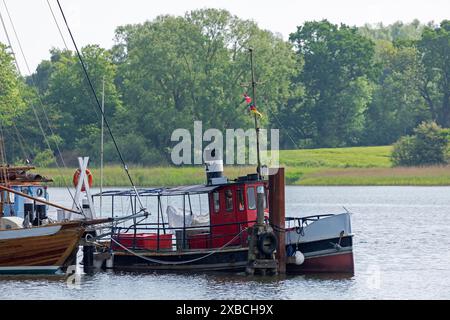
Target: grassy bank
(344,166)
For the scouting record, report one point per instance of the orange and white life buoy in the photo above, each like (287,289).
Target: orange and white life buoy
(76,177)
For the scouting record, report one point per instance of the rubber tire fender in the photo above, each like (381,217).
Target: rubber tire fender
(264,238)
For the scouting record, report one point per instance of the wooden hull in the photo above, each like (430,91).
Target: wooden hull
(41,250)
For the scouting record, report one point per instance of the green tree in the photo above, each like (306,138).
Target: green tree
(397,106)
(13,92)
(434,48)
(336,76)
(75,115)
(177,70)
(11,100)
(398,31)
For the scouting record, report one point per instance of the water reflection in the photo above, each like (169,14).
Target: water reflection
(400,248)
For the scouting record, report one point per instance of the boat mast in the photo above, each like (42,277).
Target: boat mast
(258,169)
(101,147)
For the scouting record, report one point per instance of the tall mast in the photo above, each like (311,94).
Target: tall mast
(258,169)
(101,145)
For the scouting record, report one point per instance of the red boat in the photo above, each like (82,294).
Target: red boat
(235,226)
(207,229)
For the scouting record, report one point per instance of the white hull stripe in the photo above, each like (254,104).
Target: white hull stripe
(28,233)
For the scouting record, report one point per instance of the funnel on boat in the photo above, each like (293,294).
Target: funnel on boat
(214,167)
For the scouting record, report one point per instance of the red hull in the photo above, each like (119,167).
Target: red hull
(331,263)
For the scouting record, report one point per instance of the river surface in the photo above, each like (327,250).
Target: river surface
(401,250)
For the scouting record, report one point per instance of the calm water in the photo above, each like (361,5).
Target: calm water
(401,246)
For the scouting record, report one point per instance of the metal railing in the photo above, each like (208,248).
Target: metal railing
(304,221)
(184,236)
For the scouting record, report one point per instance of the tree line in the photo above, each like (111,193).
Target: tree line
(329,85)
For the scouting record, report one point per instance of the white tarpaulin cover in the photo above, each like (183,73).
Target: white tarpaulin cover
(176,219)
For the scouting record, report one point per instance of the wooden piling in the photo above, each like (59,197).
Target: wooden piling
(277,216)
(88,258)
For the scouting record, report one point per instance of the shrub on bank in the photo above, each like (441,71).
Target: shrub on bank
(44,159)
(428,146)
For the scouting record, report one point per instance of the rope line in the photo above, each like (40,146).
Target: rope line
(22,144)
(43,108)
(80,58)
(9,42)
(57,25)
(281,125)
(178,262)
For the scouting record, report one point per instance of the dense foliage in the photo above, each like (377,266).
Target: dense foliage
(328,86)
(428,146)
(11,99)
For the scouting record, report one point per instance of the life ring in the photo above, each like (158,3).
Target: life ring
(267,243)
(76,177)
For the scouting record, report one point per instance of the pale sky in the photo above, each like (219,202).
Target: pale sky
(94,21)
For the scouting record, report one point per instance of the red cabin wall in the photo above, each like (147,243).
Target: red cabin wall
(237,219)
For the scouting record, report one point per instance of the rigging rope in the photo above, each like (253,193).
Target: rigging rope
(43,108)
(281,125)
(80,58)
(9,42)
(22,144)
(3,156)
(57,25)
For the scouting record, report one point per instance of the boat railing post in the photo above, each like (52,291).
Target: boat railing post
(162,216)
(157,239)
(260,205)
(37,214)
(112,207)
(133,210)
(184,221)
(210,244)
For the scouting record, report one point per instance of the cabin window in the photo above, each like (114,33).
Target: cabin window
(251,198)
(229,200)
(216,200)
(240,193)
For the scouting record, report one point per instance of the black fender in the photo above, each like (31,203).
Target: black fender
(267,243)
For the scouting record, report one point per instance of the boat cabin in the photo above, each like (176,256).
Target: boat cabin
(13,205)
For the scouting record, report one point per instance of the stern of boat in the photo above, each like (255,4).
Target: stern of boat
(319,244)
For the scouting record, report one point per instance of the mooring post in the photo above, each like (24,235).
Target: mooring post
(260,194)
(277,216)
(88,258)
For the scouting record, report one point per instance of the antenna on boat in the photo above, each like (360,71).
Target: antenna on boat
(258,169)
